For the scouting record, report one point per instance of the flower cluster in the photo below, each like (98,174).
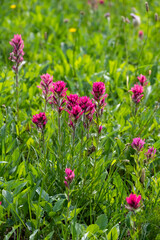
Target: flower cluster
(72,101)
(99,96)
(138,144)
(74,115)
(88,107)
(143,80)
(40,120)
(133,201)
(17,54)
(46,84)
(137,91)
(69,178)
(150,153)
(57,98)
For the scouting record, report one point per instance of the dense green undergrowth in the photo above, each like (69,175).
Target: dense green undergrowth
(80,46)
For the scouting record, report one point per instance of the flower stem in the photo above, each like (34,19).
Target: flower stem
(17,97)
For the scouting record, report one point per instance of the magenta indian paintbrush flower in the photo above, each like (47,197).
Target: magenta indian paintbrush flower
(143,80)
(138,144)
(133,201)
(59,89)
(69,178)
(99,96)
(101,1)
(17,54)
(57,98)
(150,153)
(46,84)
(40,120)
(74,115)
(137,90)
(72,101)
(89,108)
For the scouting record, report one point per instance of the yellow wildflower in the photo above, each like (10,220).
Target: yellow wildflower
(13,6)
(72,30)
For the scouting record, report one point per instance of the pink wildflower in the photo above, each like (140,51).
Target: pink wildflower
(140,34)
(89,108)
(57,98)
(138,144)
(143,80)
(46,84)
(40,120)
(17,54)
(0,203)
(72,101)
(99,95)
(150,153)
(137,90)
(74,115)
(133,201)
(100,129)
(101,1)
(59,89)
(98,90)
(70,176)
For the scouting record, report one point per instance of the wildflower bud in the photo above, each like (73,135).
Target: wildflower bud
(107,15)
(127,20)
(123,18)
(143,175)
(136,20)
(140,34)
(100,129)
(150,71)
(156,17)
(147,6)
(45,35)
(82,13)
(66,20)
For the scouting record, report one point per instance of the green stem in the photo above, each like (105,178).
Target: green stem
(17,97)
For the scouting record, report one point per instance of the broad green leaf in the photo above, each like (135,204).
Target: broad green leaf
(58,205)
(113,234)
(102,221)
(8,196)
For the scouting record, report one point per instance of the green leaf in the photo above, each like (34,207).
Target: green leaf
(58,205)
(32,237)
(8,196)
(7,237)
(113,234)
(92,229)
(42,193)
(102,221)
(49,236)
